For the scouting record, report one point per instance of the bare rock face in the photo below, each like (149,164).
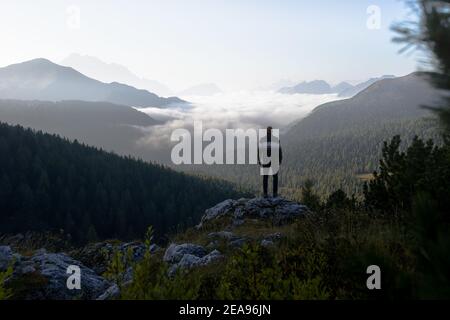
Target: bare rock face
(225,235)
(188,255)
(6,257)
(211,257)
(111,293)
(53,266)
(189,261)
(175,252)
(278,209)
(50,271)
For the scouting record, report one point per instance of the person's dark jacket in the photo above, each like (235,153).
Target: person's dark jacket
(269,144)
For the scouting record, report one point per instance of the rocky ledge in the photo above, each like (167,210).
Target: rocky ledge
(44,275)
(279,210)
(188,255)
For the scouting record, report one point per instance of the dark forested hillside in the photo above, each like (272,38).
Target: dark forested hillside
(48,183)
(104,125)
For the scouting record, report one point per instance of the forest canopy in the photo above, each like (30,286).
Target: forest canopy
(49,183)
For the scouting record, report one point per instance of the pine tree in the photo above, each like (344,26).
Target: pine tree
(431,34)
(309,198)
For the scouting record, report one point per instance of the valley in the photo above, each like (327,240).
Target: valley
(224,151)
(331,145)
(90,177)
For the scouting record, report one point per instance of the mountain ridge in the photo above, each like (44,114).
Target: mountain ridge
(104,125)
(342,89)
(41,79)
(110,72)
(344,138)
(340,141)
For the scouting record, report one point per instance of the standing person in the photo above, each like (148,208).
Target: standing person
(270,156)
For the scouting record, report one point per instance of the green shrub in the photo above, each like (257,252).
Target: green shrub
(5,293)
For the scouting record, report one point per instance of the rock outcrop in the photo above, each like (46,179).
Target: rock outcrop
(279,210)
(53,266)
(51,271)
(6,257)
(111,293)
(227,236)
(175,252)
(188,255)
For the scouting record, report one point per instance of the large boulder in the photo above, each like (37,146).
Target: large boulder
(189,261)
(44,276)
(6,257)
(175,252)
(54,266)
(188,255)
(220,209)
(278,209)
(211,257)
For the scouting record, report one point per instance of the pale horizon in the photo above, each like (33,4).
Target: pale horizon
(234,44)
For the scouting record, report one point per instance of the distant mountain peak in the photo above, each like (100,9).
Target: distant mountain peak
(42,79)
(38,62)
(113,72)
(383,100)
(343,89)
(311,87)
(340,87)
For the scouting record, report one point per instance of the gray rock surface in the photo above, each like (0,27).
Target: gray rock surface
(51,270)
(111,293)
(6,257)
(188,261)
(238,243)
(225,235)
(188,255)
(175,252)
(220,209)
(229,237)
(279,209)
(211,257)
(266,243)
(53,266)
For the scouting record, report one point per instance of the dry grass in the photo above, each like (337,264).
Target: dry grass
(365,177)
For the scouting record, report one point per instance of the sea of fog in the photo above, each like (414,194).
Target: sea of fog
(244,109)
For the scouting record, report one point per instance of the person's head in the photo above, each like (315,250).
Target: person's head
(269,131)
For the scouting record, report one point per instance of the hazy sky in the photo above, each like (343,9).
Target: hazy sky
(235,44)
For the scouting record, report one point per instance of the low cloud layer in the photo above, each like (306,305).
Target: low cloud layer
(244,110)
